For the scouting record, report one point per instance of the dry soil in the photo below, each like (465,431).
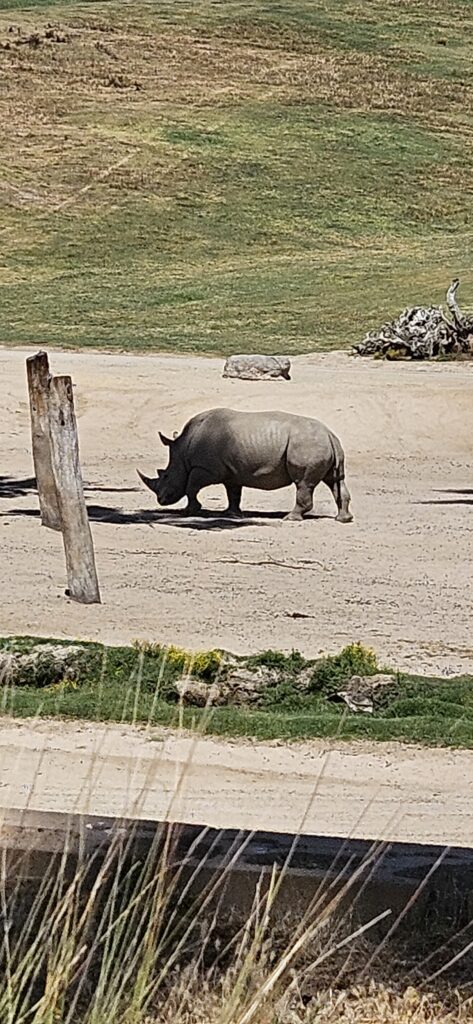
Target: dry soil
(389,792)
(398,578)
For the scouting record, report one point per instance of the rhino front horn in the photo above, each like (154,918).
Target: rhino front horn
(151,482)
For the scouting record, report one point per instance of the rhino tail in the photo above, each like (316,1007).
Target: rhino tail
(338,471)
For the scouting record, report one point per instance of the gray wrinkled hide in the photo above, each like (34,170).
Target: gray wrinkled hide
(263,450)
(257,367)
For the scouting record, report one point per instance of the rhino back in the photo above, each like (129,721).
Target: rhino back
(251,447)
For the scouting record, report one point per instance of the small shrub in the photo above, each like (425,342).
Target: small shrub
(335,669)
(203,664)
(179,662)
(206,664)
(289,664)
(283,696)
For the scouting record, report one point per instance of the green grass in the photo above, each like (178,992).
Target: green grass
(203,177)
(127,684)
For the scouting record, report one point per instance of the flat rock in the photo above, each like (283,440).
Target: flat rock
(246,685)
(239,685)
(372,682)
(360,692)
(256,367)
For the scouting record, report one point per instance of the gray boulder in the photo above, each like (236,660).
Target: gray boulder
(247,685)
(360,692)
(199,694)
(254,367)
(238,685)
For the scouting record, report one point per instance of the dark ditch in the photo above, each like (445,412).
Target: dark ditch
(426,890)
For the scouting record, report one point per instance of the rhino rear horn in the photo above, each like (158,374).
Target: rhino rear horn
(167,441)
(151,482)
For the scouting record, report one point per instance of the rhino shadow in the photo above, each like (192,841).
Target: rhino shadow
(447,501)
(207,520)
(13,487)
(95,489)
(463,496)
(117,517)
(156,517)
(18,487)
(454,490)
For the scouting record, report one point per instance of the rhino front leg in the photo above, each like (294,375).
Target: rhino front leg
(198,479)
(234,499)
(304,501)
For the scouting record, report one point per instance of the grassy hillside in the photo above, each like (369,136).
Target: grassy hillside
(196,175)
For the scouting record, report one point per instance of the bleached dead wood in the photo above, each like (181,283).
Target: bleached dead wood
(78,546)
(37,371)
(422,332)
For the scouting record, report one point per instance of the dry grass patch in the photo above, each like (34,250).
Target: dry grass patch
(126,934)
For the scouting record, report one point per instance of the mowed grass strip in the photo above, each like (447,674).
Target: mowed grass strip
(138,685)
(192,176)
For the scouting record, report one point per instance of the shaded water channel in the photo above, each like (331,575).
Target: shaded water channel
(422,887)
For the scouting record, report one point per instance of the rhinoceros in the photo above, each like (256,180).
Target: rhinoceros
(264,450)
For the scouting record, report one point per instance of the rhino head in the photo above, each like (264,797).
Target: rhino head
(169,485)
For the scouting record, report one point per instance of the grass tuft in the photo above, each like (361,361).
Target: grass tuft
(137,933)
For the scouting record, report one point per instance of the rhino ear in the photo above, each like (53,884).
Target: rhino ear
(159,472)
(166,441)
(175,434)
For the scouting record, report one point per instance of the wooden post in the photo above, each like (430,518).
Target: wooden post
(78,545)
(37,370)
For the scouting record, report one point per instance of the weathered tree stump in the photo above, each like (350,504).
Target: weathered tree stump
(37,370)
(422,332)
(254,367)
(78,546)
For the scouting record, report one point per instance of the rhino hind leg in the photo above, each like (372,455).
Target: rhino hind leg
(234,500)
(304,501)
(343,504)
(342,497)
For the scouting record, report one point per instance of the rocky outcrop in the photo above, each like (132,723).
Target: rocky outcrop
(44,665)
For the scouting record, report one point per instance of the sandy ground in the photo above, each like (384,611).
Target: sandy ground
(398,578)
(391,792)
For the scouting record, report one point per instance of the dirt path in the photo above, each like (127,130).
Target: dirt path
(398,579)
(359,791)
